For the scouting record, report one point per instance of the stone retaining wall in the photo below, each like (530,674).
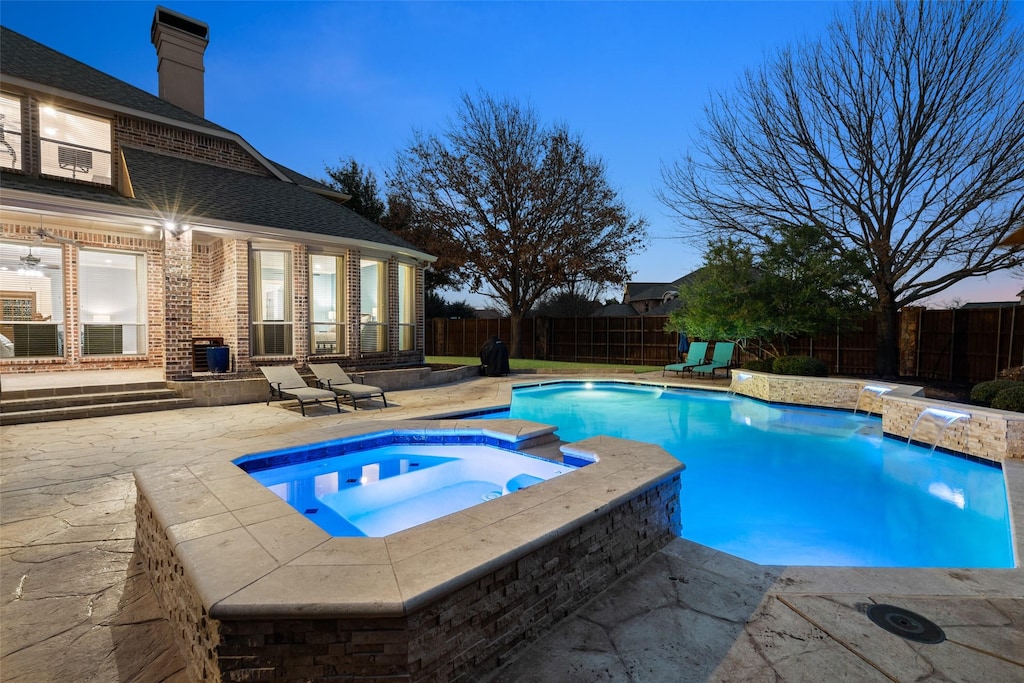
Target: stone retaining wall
(233,389)
(987,433)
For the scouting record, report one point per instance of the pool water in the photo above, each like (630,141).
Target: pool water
(796,486)
(385,489)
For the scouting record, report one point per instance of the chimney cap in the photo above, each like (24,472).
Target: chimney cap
(172,19)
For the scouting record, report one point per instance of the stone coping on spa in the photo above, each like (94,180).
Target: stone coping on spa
(248,553)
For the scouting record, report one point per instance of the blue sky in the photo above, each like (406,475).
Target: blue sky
(308,83)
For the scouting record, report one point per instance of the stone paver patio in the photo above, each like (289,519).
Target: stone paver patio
(75,605)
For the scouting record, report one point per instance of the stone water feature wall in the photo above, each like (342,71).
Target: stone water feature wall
(994,435)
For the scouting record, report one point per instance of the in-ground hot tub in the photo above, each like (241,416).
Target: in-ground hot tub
(254,590)
(359,487)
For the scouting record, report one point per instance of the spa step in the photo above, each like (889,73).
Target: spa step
(44,406)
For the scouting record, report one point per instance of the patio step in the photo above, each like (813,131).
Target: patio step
(69,403)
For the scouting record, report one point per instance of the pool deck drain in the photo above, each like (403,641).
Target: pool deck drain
(905,624)
(75,606)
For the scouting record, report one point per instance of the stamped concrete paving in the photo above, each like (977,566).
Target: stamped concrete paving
(76,607)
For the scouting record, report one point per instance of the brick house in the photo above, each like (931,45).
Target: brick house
(135,231)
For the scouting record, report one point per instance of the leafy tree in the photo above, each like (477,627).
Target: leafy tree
(565,304)
(361,184)
(397,218)
(900,134)
(400,219)
(438,307)
(528,207)
(773,292)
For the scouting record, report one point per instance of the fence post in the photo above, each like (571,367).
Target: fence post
(999,333)
(952,343)
(838,347)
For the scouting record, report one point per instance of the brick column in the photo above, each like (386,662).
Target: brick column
(910,330)
(178,306)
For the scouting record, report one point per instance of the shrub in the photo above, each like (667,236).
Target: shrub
(1010,399)
(759,365)
(984,392)
(800,365)
(1016,374)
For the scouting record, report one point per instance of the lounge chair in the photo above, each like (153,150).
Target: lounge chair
(698,350)
(286,382)
(330,376)
(720,359)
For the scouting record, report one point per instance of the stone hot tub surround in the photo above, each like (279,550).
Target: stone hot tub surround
(257,592)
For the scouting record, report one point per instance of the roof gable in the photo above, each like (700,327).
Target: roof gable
(21,57)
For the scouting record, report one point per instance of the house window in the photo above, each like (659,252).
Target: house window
(406,307)
(327,304)
(74,145)
(31,301)
(10,132)
(373,313)
(112,299)
(271,303)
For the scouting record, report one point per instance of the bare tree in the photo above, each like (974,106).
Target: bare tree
(900,133)
(526,206)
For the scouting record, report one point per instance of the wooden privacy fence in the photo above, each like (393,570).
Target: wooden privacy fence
(962,345)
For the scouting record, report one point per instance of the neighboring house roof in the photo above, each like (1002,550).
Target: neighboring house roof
(219,194)
(22,57)
(615,311)
(656,291)
(665,308)
(643,291)
(991,304)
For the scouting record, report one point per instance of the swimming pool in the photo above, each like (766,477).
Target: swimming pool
(795,486)
(365,487)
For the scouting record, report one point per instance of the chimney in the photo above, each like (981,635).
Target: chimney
(180,43)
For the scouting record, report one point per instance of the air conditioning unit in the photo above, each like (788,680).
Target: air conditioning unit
(74,159)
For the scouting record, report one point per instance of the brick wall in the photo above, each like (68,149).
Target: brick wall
(151,248)
(133,132)
(177,300)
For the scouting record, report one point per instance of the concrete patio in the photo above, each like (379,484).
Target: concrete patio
(75,605)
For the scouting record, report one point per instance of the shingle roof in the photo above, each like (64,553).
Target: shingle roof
(615,311)
(665,308)
(204,191)
(61,188)
(24,58)
(304,180)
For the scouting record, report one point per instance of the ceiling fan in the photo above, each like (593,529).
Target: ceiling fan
(30,264)
(33,266)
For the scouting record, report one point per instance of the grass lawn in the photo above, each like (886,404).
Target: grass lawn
(528,364)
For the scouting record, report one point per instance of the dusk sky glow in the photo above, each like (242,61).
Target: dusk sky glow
(309,83)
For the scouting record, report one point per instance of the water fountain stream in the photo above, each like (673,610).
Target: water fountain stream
(737,379)
(872,389)
(943,419)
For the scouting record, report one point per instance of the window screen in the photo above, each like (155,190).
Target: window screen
(10,132)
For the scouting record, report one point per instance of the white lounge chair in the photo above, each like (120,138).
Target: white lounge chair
(286,382)
(331,376)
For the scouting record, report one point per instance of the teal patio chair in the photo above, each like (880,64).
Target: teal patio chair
(696,356)
(720,359)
